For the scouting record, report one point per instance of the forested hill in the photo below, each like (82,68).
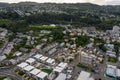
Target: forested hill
(82,14)
(32,7)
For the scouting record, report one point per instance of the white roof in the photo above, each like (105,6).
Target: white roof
(42,75)
(90,79)
(62,76)
(35,71)
(29,68)
(112,66)
(18,53)
(38,46)
(30,60)
(43,58)
(111,71)
(58,69)
(63,65)
(118,72)
(50,61)
(2,57)
(37,56)
(22,65)
(119,58)
(83,75)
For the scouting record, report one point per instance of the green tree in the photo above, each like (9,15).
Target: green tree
(82,41)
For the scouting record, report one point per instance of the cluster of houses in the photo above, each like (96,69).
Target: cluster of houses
(34,67)
(110,50)
(66,51)
(3,34)
(30,41)
(6,51)
(70,50)
(8,48)
(113,34)
(66,54)
(50,47)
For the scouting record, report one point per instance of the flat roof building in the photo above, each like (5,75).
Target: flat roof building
(118,72)
(37,56)
(42,76)
(58,69)
(30,60)
(62,76)
(35,71)
(63,65)
(29,68)
(50,61)
(43,58)
(23,64)
(84,75)
(111,71)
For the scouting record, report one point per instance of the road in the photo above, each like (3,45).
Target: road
(8,71)
(75,69)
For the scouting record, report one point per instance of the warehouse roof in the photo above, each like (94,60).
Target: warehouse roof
(22,65)
(29,68)
(35,71)
(37,56)
(42,75)
(63,65)
(62,76)
(30,60)
(83,75)
(58,69)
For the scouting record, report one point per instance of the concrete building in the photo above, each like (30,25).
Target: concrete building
(62,76)
(43,59)
(42,76)
(112,72)
(38,56)
(50,61)
(60,67)
(84,76)
(86,59)
(22,65)
(30,61)
(35,72)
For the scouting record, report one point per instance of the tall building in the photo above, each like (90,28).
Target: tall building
(86,59)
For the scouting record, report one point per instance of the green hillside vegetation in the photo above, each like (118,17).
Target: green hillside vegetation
(79,14)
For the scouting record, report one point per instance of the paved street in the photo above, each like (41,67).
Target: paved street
(8,71)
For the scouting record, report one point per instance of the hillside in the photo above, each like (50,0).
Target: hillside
(82,14)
